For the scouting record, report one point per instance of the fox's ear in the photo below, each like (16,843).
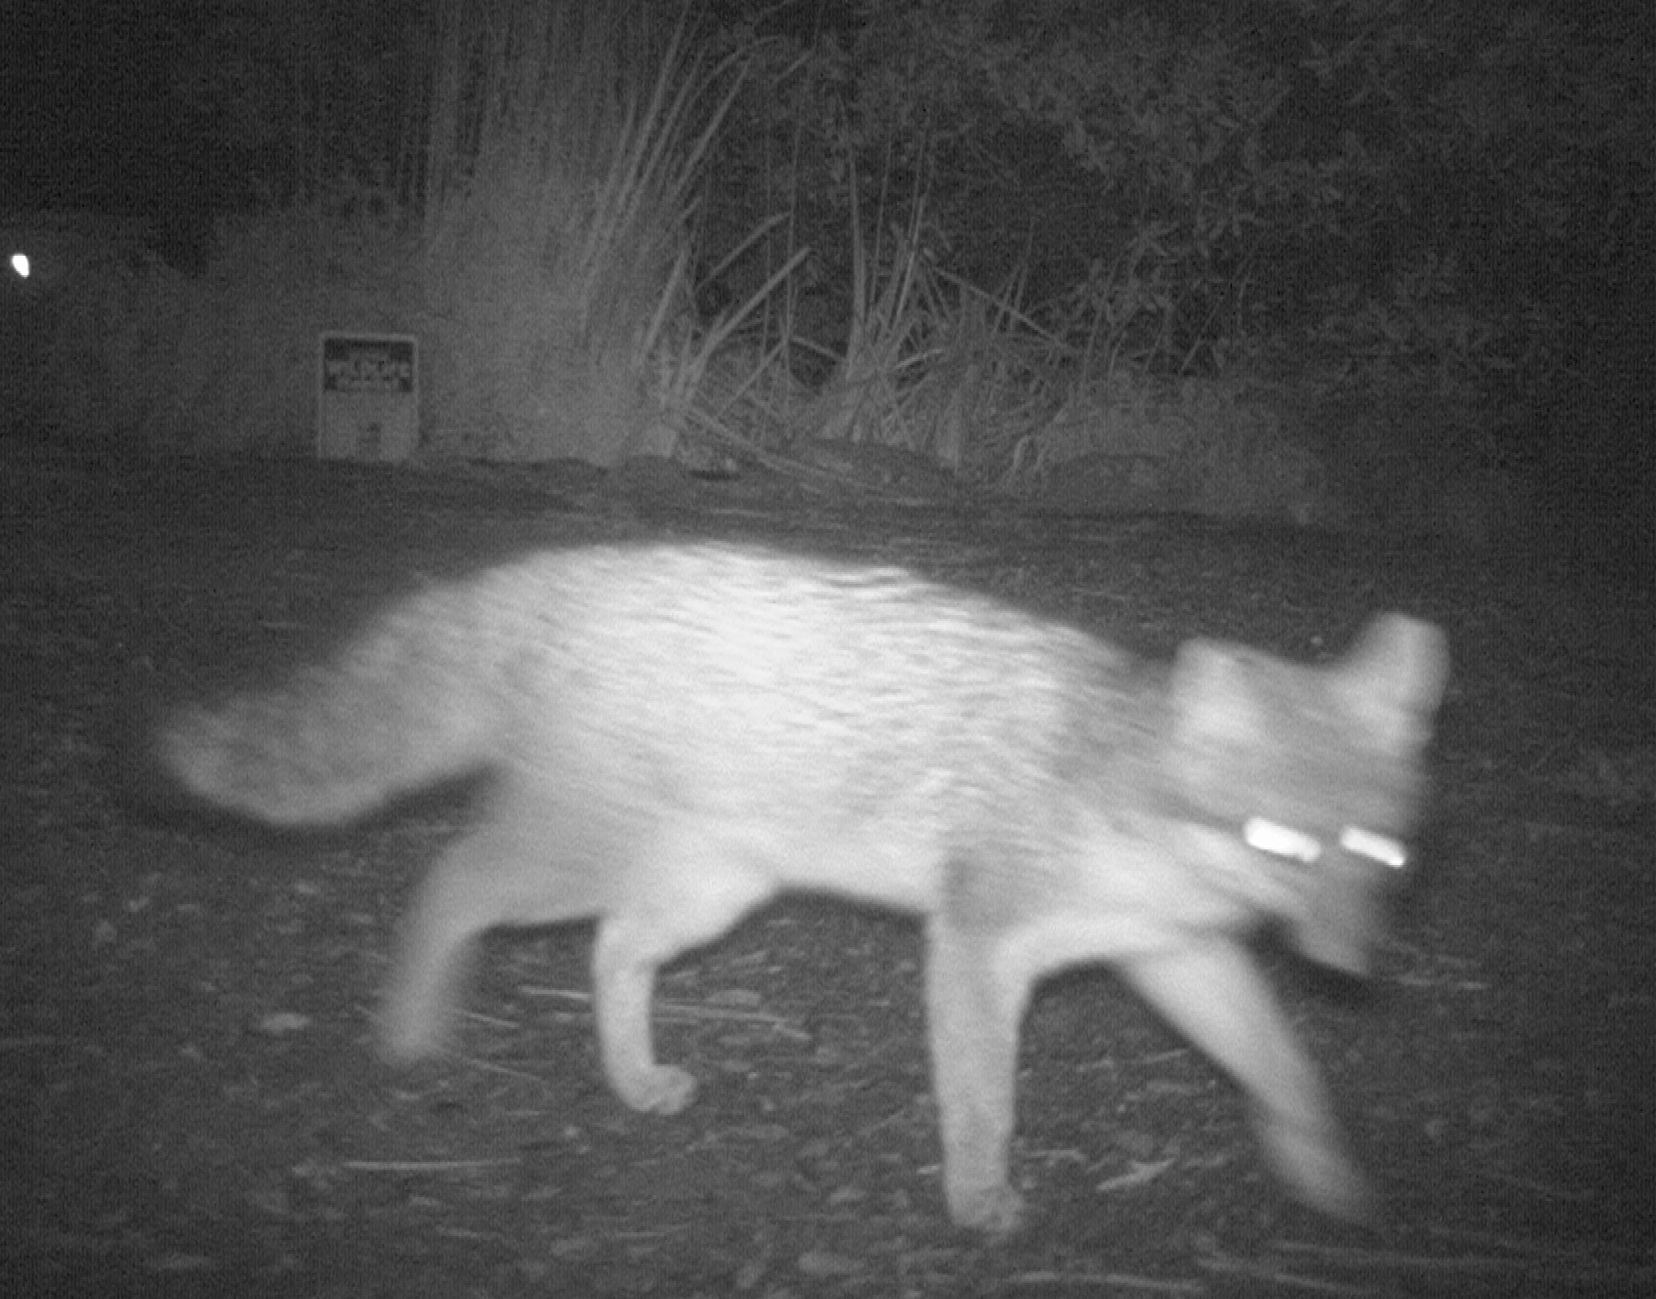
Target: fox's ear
(1211,696)
(1395,675)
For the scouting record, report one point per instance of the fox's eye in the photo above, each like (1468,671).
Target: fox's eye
(1376,847)
(1280,840)
(1284,841)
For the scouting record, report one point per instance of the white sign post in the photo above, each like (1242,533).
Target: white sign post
(368,397)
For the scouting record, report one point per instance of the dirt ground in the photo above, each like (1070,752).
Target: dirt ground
(190,1099)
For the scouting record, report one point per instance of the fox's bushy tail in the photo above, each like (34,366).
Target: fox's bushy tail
(408,703)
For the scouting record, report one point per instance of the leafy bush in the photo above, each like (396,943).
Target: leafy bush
(938,221)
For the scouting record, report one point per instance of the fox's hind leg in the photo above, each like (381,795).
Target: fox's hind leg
(692,890)
(525,864)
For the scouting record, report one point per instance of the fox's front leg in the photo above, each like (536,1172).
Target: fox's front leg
(1212,993)
(973,1016)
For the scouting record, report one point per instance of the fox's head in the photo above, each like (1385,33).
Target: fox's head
(1305,782)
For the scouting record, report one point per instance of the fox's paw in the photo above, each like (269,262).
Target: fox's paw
(1315,1164)
(657,1089)
(997,1211)
(406,1036)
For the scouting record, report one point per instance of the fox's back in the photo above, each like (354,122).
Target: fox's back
(776,687)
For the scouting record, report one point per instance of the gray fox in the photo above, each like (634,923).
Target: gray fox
(678,732)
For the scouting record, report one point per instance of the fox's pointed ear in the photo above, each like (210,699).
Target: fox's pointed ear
(1395,675)
(1210,694)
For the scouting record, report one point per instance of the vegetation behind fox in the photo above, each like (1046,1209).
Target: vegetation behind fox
(678,732)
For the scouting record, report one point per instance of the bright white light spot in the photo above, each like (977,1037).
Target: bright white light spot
(1280,840)
(20,265)
(1376,847)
